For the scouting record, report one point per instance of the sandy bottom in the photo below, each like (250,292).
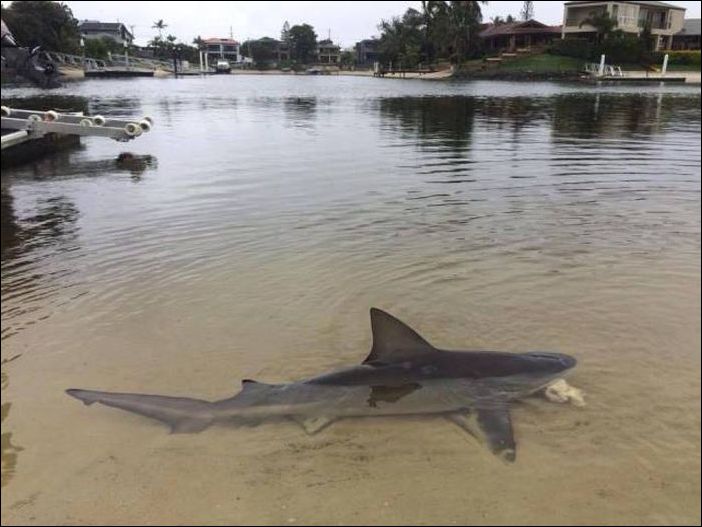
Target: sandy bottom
(632,455)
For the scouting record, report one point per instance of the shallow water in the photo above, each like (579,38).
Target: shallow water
(272,213)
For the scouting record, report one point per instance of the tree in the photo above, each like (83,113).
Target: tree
(604,24)
(442,29)
(510,19)
(263,51)
(303,43)
(465,17)
(99,48)
(497,20)
(401,39)
(160,25)
(50,25)
(198,42)
(527,12)
(435,28)
(348,58)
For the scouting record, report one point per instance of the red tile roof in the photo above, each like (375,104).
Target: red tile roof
(518,28)
(225,41)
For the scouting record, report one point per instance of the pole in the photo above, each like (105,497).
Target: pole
(600,71)
(126,55)
(665,65)
(201,64)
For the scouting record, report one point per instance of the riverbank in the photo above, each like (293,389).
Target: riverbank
(528,68)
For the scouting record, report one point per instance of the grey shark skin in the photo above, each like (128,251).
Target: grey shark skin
(402,375)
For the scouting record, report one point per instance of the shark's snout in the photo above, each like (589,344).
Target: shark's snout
(554,361)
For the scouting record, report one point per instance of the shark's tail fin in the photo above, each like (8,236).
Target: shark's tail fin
(183,415)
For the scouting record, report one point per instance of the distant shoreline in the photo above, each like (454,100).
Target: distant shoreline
(691,77)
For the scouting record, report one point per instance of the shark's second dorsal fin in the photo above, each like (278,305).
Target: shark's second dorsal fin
(393,340)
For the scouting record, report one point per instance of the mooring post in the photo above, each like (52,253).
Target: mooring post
(665,65)
(600,71)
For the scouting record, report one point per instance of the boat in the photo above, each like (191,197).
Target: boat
(223,66)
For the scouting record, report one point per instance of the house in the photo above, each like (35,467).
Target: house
(92,29)
(689,36)
(283,50)
(328,52)
(222,48)
(367,52)
(664,19)
(513,35)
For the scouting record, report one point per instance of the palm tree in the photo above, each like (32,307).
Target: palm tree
(464,18)
(602,22)
(160,25)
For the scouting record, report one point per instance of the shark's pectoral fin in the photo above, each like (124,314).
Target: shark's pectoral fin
(312,425)
(492,427)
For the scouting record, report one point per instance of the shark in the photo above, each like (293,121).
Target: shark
(402,375)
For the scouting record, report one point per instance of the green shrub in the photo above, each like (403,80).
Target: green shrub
(621,47)
(578,48)
(683,57)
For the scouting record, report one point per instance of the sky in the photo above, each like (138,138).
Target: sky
(346,22)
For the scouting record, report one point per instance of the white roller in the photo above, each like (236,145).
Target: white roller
(132,129)
(34,117)
(6,111)
(85,122)
(51,115)
(98,120)
(145,125)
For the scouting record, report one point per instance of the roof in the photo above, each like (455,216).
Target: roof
(225,41)
(650,4)
(518,28)
(327,43)
(94,25)
(691,27)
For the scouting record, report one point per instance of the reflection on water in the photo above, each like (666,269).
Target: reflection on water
(247,235)
(301,111)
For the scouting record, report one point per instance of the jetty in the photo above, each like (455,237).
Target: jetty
(608,72)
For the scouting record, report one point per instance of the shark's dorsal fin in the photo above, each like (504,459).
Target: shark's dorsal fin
(394,341)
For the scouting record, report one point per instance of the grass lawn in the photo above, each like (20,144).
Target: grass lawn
(543,63)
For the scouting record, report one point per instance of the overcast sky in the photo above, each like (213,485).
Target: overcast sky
(348,22)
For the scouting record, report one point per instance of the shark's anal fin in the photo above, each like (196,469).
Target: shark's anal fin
(393,340)
(312,425)
(491,426)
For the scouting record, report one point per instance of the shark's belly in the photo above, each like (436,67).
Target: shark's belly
(432,396)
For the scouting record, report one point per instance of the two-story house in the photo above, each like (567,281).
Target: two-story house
(328,52)
(113,30)
(222,48)
(664,19)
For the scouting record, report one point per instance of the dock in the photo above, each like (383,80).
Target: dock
(117,73)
